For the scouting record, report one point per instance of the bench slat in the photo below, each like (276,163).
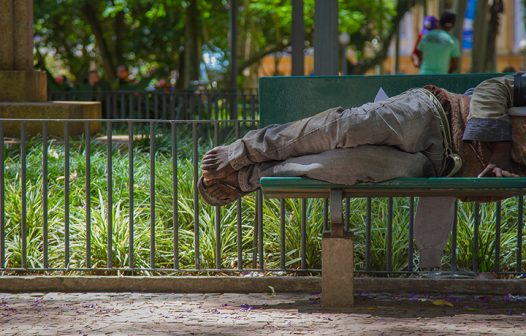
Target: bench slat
(299,187)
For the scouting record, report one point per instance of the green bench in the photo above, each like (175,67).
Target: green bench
(284,99)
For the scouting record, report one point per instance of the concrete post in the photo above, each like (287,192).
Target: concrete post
(23,35)
(337,261)
(326,51)
(6,35)
(337,272)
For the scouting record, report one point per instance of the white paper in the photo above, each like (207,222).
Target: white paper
(380,96)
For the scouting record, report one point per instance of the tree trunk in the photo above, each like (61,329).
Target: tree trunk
(92,18)
(497,8)
(191,55)
(480,37)
(120,35)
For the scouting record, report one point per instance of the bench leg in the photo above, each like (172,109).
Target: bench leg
(337,260)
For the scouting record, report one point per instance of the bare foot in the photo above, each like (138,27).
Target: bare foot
(215,164)
(231,180)
(222,192)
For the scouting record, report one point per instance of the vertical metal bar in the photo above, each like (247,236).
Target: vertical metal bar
(475,250)
(303,239)
(155,105)
(298,38)
(326,227)
(368,235)
(260,226)
(139,106)
(66,194)
(519,233)
(410,251)
(498,220)
(115,111)
(109,169)
(24,192)
(2,198)
(88,193)
(164,114)
(218,213)
(45,192)
(108,109)
(389,254)
(239,217)
(347,218)
(196,197)
(282,234)
(326,37)
(454,234)
(239,228)
(123,105)
(147,106)
(130,106)
(256,233)
(131,181)
(173,100)
(175,204)
(233,58)
(152,195)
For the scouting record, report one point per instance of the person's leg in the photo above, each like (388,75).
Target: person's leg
(342,166)
(408,122)
(433,223)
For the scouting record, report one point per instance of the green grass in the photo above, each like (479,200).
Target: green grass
(207,216)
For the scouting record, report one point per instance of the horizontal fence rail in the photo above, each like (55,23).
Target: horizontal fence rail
(169,105)
(120,195)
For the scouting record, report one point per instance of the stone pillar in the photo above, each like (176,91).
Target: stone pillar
(23,35)
(18,81)
(6,37)
(23,91)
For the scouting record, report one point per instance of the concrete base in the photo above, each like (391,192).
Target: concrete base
(237,284)
(50,110)
(337,272)
(23,86)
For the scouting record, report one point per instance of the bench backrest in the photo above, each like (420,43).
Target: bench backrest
(284,99)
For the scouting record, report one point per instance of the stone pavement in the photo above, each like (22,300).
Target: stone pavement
(245,314)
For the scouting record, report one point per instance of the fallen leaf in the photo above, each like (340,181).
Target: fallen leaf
(441,302)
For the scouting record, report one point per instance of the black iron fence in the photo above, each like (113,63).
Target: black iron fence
(106,196)
(169,105)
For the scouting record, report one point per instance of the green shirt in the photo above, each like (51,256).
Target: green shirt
(437,47)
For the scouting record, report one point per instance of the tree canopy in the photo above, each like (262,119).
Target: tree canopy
(176,35)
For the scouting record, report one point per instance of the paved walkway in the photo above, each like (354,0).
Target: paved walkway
(239,314)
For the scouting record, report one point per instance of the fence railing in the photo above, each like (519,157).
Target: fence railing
(173,105)
(124,199)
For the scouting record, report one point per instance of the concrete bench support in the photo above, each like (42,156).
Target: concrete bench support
(337,259)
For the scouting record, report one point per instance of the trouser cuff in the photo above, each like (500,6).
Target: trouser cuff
(430,257)
(236,155)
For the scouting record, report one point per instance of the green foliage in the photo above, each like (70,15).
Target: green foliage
(154,34)
(209,220)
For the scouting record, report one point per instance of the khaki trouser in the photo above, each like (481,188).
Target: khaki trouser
(398,137)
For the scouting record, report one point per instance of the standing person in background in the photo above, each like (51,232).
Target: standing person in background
(430,23)
(439,51)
